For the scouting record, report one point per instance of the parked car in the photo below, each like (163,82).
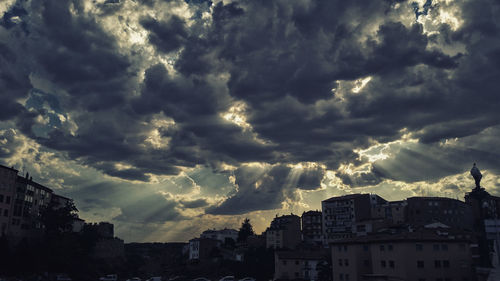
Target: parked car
(109,277)
(201,279)
(227,278)
(62,277)
(156,278)
(134,279)
(247,279)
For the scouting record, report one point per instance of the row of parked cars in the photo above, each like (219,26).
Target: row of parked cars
(114,277)
(226,278)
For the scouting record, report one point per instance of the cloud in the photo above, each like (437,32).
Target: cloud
(265,187)
(185,97)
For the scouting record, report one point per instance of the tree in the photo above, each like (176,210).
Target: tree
(245,230)
(58,219)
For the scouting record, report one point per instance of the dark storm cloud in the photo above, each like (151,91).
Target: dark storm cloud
(198,203)
(167,36)
(431,162)
(360,179)
(137,205)
(265,188)
(286,60)
(78,55)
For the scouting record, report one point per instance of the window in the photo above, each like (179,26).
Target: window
(345,248)
(1,198)
(389,247)
(5,213)
(366,262)
(420,264)
(444,247)
(365,248)
(296,274)
(391,264)
(341,276)
(435,247)
(347,276)
(461,247)
(419,247)
(446,263)
(346,262)
(382,248)
(296,262)
(7,199)
(437,264)
(284,262)
(340,262)
(383,264)
(339,248)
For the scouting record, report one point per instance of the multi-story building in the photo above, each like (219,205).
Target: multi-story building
(451,212)
(29,199)
(21,201)
(341,215)
(284,232)
(297,265)
(392,212)
(8,177)
(222,235)
(202,248)
(312,227)
(411,256)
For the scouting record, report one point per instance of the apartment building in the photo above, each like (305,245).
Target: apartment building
(344,216)
(221,235)
(297,265)
(284,232)
(451,212)
(8,177)
(29,199)
(312,227)
(423,256)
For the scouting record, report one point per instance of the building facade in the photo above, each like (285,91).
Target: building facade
(8,178)
(221,235)
(342,214)
(422,256)
(290,265)
(312,227)
(451,212)
(284,232)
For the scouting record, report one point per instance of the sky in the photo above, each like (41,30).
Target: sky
(167,118)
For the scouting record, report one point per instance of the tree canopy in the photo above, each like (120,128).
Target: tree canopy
(246,230)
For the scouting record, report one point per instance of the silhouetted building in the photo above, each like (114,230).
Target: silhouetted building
(290,265)
(202,248)
(21,203)
(102,229)
(411,256)
(30,198)
(221,235)
(8,177)
(341,215)
(392,212)
(312,227)
(284,232)
(451,212)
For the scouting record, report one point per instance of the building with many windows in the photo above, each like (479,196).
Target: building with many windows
(343,215)
(8,178)
(451,212)
(284,232)
(413,256)
(312,227)
(297,265)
